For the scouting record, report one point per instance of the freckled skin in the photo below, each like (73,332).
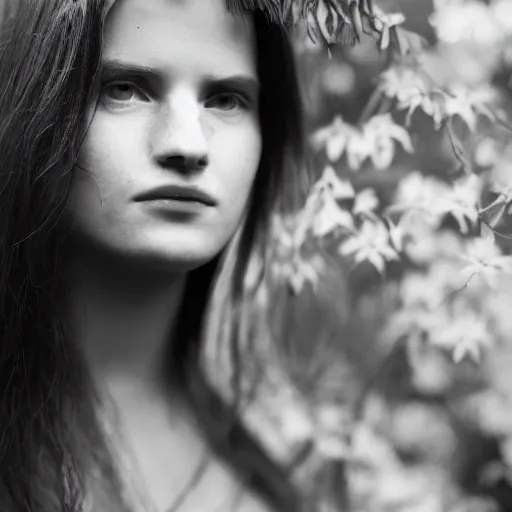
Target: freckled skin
(136,128)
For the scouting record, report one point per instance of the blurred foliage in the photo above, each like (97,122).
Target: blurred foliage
(385,358)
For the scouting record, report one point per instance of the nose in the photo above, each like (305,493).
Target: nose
(180,143)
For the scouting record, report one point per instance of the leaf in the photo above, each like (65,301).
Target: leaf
(487,233)
(384,38)
(462,221)
(357,21)
(395,19)
(396,235)
(456,106)
(495,215)
(333,137)
(366,201)
(400,134)
(463,349)
(409,42)
(358,150)
(377,261)
(331,183)
(457,147)
(287,10)
(331,217)
(335,147)
(341,189)
(383,153)
(371,243)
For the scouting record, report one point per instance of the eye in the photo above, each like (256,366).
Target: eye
(227,102)
(122,92)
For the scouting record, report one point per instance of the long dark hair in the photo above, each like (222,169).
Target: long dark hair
(50,439)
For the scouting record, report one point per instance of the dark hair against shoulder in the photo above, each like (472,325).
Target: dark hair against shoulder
(50,51)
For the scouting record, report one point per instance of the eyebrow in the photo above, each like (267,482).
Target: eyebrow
(116,69)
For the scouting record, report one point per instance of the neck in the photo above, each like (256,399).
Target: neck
(124,320)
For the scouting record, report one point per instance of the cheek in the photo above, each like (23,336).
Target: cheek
(102,179)
(110,152)
(237,162)
(112,158)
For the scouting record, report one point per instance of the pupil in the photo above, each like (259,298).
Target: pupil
(123,91)
(227,101)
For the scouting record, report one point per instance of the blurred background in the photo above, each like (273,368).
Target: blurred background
(388,375)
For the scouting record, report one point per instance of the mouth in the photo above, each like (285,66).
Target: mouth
(177,193)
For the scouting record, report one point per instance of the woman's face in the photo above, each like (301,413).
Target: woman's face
(178,109)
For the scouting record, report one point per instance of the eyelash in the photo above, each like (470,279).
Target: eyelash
(111,85)
(243,102)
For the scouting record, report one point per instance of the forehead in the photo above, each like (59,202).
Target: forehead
(185,36)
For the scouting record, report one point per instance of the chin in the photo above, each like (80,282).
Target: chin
(156,256)
(182,248)
(176,257)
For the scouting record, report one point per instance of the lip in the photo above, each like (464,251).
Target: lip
(177,193)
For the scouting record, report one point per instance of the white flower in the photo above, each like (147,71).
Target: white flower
(333,138)
(330,181)
(384,22)
(359,148)
(366,201)
(330,217)
(287,260)
(412,91)
(382,132)
(306,271)
(436,199)
(402,83)
(468,103)
(462,201)
(372,243)
(465,334)
(376,140)
(484,258)
(298,270)
(322,211)
(422,193)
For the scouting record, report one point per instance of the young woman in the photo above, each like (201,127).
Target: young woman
(144,145)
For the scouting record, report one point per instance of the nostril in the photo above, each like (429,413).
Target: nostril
(202,162)
(184,163)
